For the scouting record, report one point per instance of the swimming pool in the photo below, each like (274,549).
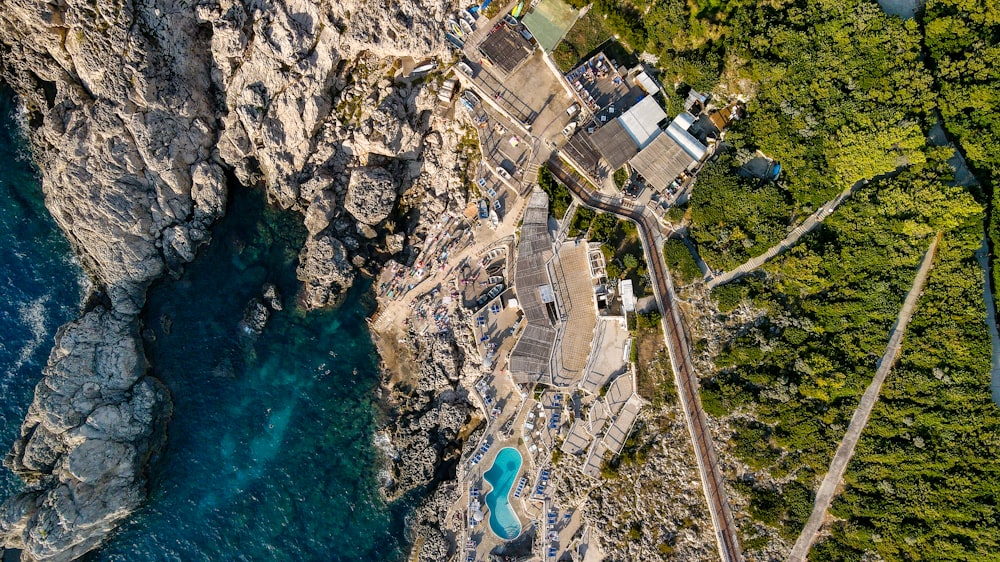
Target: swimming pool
(501,476)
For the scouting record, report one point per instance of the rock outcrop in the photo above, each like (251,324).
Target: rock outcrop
(95,421)
(325,269)
(138,112)
(371,195)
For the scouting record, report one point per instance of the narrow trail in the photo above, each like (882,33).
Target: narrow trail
(807,226)
(828,488)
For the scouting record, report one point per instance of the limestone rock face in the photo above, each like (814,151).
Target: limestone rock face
(371,195)
(325,270)
(95,420)
(123,132)
(138,113)
(320,212)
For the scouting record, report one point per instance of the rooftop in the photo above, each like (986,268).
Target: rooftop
(678,131)
(584,152)
(642,120)
(661,162)
(529,360)
(614,143)
(505,48)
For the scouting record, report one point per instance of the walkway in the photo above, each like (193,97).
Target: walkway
(811,222)
(825,494)
(677,343)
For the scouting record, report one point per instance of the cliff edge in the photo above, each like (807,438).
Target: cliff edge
(141,112)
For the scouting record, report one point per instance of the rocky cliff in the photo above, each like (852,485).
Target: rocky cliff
(140,112)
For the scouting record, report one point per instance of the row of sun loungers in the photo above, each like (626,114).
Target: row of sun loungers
(520,486)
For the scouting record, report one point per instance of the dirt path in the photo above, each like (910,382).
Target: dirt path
(825,494)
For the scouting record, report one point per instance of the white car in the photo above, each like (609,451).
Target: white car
(503,173)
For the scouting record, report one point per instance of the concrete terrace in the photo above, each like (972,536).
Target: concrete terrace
(572,268)
(609,353)
(529,361)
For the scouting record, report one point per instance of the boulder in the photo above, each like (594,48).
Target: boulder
(320,212)
(371,195)
(325,270)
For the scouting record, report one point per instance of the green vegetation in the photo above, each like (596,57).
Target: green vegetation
(468,150)
(963,40)
(676,214)
(842,93)
(728,297)
(735,218)
(559,196)
(586,35)
(924,476)
(622,251)
(830,303)
(580,224)
(493,9)
(687,42)
(655,380)
(604,228)
(680,262)
(620,176)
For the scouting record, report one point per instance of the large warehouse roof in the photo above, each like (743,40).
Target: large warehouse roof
(614,143)
(529,360)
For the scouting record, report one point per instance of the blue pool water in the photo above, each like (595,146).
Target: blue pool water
(269,454)
(41,283)
(501,476)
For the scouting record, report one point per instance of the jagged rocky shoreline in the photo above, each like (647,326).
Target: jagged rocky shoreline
(141,114)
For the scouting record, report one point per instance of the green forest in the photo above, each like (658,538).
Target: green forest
(841,95)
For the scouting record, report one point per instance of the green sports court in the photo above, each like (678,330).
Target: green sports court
(549,21)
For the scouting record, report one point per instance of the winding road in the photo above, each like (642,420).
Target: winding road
(678,345)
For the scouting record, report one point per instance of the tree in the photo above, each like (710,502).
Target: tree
(630,262)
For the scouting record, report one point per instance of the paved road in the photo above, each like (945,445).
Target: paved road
(827,490)
(677,343)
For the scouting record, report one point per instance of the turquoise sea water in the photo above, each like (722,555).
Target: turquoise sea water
(501,476)
(41,285)
(269,453)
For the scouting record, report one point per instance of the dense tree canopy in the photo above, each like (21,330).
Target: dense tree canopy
(840,93)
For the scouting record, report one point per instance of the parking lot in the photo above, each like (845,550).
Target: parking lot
(532,94)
